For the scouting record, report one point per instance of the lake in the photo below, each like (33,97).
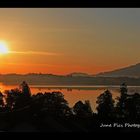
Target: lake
(75,93)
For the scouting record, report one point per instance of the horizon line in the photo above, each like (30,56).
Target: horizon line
(90,74)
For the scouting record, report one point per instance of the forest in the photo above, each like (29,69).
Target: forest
(50,112)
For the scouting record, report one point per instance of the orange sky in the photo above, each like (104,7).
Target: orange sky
(62,41)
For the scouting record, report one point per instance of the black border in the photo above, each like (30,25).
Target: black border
(69,3)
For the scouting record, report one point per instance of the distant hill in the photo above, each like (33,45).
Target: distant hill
(130,71)
(77,74)
(130,75)
(49,79)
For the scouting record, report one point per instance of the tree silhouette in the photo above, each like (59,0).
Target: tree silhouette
(121,108)
(82,110)
(133,107)
(25,89)
(1,101)
(11,98)
(18,97)
(55,104)
(23,95)
(105,106)
(123,89)
(49,109)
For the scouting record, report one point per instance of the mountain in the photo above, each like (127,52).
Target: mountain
(129,75)
(49,79)
(78,74)
(130,71)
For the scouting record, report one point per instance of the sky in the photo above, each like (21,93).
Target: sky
(65,40)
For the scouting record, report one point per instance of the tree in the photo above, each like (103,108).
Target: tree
(82,110)
(1,101)
(123,90)
(19,97)
(12,97)
(25,89)
(55,104)
(24,95)
(133,107)
(105,106)
(121,108)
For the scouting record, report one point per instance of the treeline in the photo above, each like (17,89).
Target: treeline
(49,79)
(51,112)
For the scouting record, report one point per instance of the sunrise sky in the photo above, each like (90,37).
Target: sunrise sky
(62,41)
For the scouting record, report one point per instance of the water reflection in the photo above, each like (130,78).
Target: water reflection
(75,93)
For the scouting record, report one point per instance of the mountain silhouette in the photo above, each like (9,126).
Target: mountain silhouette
(130,71)
(76,74)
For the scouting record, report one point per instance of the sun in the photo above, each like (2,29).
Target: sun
(3,47)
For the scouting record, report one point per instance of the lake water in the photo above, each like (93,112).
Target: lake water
(75,93)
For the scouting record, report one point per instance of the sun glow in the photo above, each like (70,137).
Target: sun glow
(3,47)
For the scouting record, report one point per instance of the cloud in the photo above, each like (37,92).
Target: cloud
(35,53)
(30,64)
